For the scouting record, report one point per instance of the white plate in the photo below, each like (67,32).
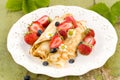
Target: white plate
(105,36)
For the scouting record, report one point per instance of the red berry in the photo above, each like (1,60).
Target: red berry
(63,33)
(30,38)
(90,32)
(44,21)
(89,40)
(35,26)
(71,19)
(56,41)
(65,26)
(84,49)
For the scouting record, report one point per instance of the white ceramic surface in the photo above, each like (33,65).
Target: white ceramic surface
(105,36)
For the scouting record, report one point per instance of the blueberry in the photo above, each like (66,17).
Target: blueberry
(57,23)
(71,61)
(45,63)
(27,77)
(53,50)
(39,32)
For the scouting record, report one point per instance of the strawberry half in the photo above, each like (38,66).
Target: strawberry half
(89,32)
(63,34)
(30,38)
(35,26)
(64,27)
(84,49)
(56,41)
(89,40)
(44,21)
(71,19)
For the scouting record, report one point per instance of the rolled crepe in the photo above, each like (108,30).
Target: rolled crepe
(41,47)
(71,50)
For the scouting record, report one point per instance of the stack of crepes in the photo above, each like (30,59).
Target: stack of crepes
(41,47)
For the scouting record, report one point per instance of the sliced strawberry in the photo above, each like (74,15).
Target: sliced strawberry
(89,40)
(30,38)
(63,33)
(71,19)
(44,21)
(56,41)
(35,26)
(65,26)
(89,32)
(84,49)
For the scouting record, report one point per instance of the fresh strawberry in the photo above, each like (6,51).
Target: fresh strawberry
(44,21)
(84,49)
(64,27)
(63,33)
(56,41)
(35,26)
(30,38)
(89,40)
(71,19)
(89,32)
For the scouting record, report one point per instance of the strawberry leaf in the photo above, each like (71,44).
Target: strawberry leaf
(42,3)
(14,5)
(102,9)
(28,6)
(112,18)
(115,9)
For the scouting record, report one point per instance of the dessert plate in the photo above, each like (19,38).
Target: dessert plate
(105,35)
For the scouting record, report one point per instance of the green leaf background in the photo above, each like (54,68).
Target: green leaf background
(102,9)
(14,5)
(42,3)
(26,5)
(111,14)
(115,9)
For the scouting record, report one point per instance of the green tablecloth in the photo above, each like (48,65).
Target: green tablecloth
(9,70)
